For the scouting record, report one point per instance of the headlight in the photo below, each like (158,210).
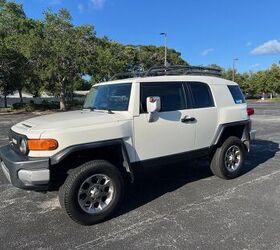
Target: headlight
(23,146)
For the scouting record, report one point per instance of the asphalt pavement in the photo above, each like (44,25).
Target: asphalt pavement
(180,207)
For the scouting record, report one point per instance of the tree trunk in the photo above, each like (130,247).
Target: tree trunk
(63,96)
(62,101)
(20,95)
(5,101)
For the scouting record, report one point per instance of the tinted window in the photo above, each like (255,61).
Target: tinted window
(172,95)
(202,96)
(236,94)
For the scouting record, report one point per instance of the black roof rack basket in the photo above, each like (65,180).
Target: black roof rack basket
(129,74)
(171,70)
(183,70)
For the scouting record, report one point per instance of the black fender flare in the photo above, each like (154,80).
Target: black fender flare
(246,126)
(61,155)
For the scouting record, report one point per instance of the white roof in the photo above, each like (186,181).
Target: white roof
(180,78)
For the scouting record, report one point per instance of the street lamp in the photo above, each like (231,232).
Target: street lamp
(233,68)
(165,47)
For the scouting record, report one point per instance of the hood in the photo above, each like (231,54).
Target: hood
(71,119)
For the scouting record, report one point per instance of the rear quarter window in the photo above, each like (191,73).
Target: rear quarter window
(236,94)
(202,96)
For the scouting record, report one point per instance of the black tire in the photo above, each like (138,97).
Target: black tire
(218,165)
(68,192)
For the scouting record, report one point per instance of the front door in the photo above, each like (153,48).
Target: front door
(172,130)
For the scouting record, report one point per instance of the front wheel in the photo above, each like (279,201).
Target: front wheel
(92,192)
(228,160)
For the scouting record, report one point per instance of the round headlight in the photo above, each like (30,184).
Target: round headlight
(23,146)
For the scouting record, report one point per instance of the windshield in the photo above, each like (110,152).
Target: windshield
(113,97)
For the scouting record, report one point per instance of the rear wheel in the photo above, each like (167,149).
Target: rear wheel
(228,160)
(92,192)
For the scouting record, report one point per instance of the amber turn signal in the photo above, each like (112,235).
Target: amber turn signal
(42,144)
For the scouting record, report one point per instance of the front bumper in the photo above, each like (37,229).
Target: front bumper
(25,172)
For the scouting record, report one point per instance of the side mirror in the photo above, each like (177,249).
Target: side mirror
(153,105)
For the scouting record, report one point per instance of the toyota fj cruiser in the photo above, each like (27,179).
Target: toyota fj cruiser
(167,115)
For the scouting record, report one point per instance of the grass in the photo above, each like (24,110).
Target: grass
(6,110)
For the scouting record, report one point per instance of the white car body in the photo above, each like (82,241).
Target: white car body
(143,140)
(90,153)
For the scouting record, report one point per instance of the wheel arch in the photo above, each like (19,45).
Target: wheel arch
(114,151)
(238,129)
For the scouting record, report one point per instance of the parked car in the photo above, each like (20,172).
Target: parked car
(168,115)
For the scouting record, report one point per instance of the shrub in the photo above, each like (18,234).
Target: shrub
(19,105)
(31,106)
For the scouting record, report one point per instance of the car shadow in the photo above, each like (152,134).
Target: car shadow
(261,151)
(151,184)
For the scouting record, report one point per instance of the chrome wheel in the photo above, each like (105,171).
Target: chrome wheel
(232,158)
(95,193)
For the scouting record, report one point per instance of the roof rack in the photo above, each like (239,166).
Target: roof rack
(127,75)
(171,70)
(183,70)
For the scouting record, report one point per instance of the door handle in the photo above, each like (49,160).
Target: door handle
(187,119)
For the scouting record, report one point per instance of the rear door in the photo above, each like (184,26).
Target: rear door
(169,133)
(205,113)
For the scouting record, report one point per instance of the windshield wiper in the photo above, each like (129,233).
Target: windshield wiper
(110,111)
(105,108)
(89,108)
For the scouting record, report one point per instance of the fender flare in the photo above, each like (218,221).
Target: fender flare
(222,127)
(64,153)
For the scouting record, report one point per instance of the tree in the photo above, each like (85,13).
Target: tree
(18,36)
(12,67)
(66,53)
(113,58)
(273,75)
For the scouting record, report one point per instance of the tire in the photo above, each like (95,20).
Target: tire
(83,194)
(231,166)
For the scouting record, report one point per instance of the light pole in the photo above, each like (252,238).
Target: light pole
(165,47)
(233,68)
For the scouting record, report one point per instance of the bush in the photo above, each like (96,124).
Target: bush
(29,107)
(19,105)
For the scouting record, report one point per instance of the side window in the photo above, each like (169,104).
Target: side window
(236,93)
(172,95)
(202,96)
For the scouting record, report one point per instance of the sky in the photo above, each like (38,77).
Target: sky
(204,31)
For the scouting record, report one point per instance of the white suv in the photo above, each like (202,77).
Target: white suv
(169,115)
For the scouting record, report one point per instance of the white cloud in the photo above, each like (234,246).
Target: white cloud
(268,48)
(207,51)
(98,4)
(80,7)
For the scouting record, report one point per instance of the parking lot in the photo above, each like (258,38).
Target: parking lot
(181,207)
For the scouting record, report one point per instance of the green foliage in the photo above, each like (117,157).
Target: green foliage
(113,58)
(266,81)
(29,107)
(16,47)
(52,55)
(13,67)
(67,53)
